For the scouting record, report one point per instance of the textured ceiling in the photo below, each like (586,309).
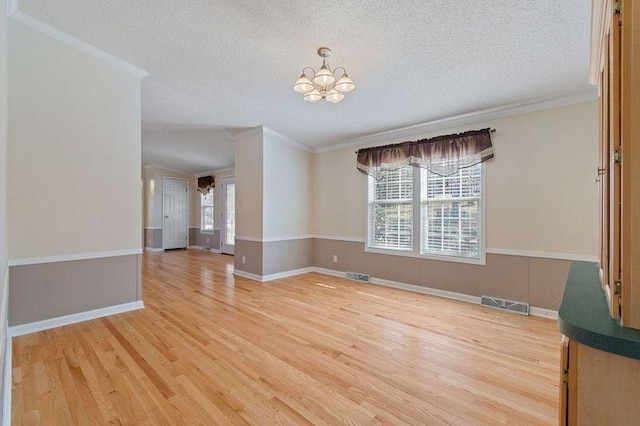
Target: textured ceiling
(190,151)
(232,63)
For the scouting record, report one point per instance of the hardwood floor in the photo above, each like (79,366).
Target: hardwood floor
(211,348)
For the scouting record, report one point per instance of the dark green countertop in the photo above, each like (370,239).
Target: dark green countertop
(584,314)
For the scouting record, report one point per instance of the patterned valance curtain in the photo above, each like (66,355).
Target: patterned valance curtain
(443,155)
(205,183)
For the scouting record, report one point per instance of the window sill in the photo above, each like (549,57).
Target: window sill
(473,261)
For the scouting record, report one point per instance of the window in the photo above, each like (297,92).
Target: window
(391,210)
(206,212)
(444,212)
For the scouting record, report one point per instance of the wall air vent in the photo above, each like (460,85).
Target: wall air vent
(505,305)
(356,276)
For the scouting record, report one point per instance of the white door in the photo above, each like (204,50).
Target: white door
(175,212)
(228,232)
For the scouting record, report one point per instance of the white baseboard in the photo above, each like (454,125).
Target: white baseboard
(286,274)
(212,250)
(247,275)
(153,249)
(427,290)
(331,272)
(73,256)
(543,313)
(533,311)
(19,330)
(271,277)
(33,327)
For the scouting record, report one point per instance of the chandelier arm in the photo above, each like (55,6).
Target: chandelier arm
(339,68)
(304,71)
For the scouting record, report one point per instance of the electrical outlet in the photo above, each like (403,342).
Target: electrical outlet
(335,258)
(207,240)
(244,259)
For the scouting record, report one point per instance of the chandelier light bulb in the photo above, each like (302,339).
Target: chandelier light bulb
(334,96)
(323,84)
(345,84)
(313,96)
(324,77)
(303,85)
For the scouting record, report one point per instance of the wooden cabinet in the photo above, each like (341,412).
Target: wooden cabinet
(599,387)
(615,68)
(600,362)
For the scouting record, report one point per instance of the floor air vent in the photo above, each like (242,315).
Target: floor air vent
(364,278)
(505,305)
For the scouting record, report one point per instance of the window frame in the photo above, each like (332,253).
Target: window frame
(396,202)
(202,207)
(416,240)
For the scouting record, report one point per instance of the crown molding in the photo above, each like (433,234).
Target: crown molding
(12,6)
(264,130)
(167,169)
(14,13)
(600,20)
(285,139)
(223,171)
(258,130)
(411,132)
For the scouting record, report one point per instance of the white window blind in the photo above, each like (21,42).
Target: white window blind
(206,211)
(446,211)
(391,210)
(450,212)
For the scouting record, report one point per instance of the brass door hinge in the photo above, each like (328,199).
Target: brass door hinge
(617,288)
(617,7)
(617,156)
(565,377)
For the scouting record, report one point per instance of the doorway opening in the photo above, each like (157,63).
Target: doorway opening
(228,228)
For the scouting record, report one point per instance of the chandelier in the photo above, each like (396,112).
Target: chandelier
(324,84)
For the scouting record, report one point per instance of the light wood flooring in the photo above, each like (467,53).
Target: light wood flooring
(211,348)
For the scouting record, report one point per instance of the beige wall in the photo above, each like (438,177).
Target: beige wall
(153,184)
(249,184)
(288,191)
(540,192)
(74,157)
(274,202)
(148,199)
(340,198)
(3,187)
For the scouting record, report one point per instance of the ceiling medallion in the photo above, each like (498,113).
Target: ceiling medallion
(324,84)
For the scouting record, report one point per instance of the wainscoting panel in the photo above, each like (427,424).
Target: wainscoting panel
(287,255)
(537,281)
(251,252)
(197,238)
(50,290)
(153,238)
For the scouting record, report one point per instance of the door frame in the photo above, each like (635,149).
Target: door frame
(164,179)
(224,180)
